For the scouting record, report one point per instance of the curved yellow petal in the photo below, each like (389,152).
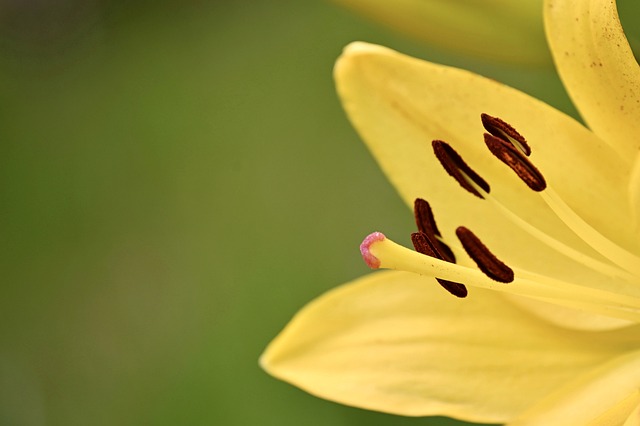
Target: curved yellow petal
(476,28)
(399,104)
(397,342)
(619,413)
(567,317)
(608,392)
(634,417)
(598,68)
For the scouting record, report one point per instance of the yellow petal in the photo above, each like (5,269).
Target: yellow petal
(619,413)
(634,417)
(400,104)
(607,393)
(397,342)
(476,28)
(567,317)
(598,68)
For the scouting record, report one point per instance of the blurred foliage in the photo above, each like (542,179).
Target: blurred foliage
(475,28)
(176,180)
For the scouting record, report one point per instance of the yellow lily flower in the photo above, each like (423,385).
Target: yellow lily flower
(532,214)
(490,29)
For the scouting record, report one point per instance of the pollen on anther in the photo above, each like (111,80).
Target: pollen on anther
(517,161)
(458,169)
(369,258)
(423,243)
(503,130)
(424,217)
(488,263)
(426,223)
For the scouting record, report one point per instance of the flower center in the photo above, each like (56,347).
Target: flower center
(433,257)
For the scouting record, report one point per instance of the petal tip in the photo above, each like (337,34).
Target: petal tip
(263,361)
(269,359)
(357,47)
(356,50)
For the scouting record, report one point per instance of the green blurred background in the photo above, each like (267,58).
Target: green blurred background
(176,180)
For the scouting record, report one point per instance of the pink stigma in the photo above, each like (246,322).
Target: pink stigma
(369,258)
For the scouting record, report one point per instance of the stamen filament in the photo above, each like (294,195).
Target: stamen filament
(582,229)
(562,248)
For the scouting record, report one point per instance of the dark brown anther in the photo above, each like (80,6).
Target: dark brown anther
(457,168)
(486,261)
(425,221)
(425,244)
(504,131)
(513,158)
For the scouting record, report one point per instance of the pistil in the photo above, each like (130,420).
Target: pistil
(390,255)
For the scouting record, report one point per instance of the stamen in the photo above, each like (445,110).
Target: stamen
(520,164)
(457,168)
(425,221)
(517,161)
(559,246)
(486,261)
(505,131)
(619,256)
(425,245)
